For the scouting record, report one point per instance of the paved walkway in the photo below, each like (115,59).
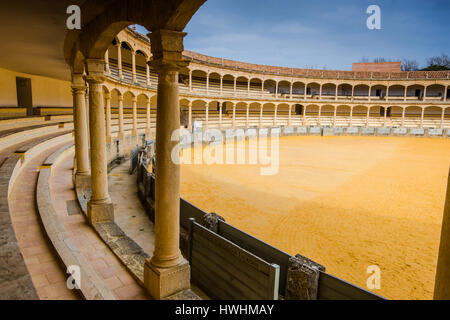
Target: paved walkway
(48,277)
(99,256)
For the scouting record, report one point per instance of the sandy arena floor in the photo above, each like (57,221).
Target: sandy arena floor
(345,202)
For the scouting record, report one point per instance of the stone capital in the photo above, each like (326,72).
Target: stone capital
(78,83)
(134,99)
(95,70)
(120,97)
(167,50)
(107,95)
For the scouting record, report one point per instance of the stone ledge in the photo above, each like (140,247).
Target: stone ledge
(91,286)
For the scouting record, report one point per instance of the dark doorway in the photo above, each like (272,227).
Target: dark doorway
(299,109)
(378,94)
(417,93)
(24,96)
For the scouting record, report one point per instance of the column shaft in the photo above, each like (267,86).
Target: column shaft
(108,117)
(134,130)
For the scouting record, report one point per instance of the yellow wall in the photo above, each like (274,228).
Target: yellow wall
(47,92)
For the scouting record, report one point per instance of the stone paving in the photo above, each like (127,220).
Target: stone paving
(100,257)
(47,276)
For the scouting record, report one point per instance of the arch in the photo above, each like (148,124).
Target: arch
(344,90)
(361,90)
(328,89)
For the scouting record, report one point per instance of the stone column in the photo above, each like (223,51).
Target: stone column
(404,96)
(442,280)
(100,207)
(108,70)
(190,116)
(147,119)
(147,67)
(234,92)
(221,84)
(290,114)
(442,117)
(351,117)
(403,116)
(275,115)
(336,93)
(234,116)
(353,92)
(276,89)
(320,113)
(368,115)
(207,83)
(108,117)
(320,92)
(133,65)
(119,60)
(248,87)
(290,90)
(247,115)
(120,133)
(334,116)
(167,272)
(190,80)
(385,116)
(86,97)
(262,88)
(370,92)
(387,93)
(261,115)
(304,115)
(445,93)
(422,117)
(134,129)
(80,125)
(424,93)
(220,116)
(207,116)
(306,90)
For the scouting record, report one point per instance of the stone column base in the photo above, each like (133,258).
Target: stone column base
(100,212)
(82,180)
(164,282)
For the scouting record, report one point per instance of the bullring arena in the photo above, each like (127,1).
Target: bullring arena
(86,143)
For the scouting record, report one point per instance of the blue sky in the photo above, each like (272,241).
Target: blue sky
(318,34)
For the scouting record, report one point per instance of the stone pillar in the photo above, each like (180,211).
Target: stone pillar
(320,92)
(147,73)
(262,88)
(207,116)
(290,114)
(403,116)
(320,113)
(134,129)
(334,116)
(120,133)
(147,118)
(442,280)
(247,115)
(368,115)
(190,80)
(442,118)
(276,89)
(304,115)
(336,93)
(234,88)
(387,93)
(385,116)
(261,115)
(370,93)
(306,90)
(422,117)
(220,116)
(234,116)
(275,115)
(353,92)
(445,93)
(108,117)
(80,125)
(190,116)
(133,65)
(167,272)
(119,60)
(100,207)
(406,91)
(351,117)
(424,93)
(207,83)
(86,97)
(108,70)
(290,90)
(248,87)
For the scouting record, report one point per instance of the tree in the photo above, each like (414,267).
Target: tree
(443,60)
(410,65)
